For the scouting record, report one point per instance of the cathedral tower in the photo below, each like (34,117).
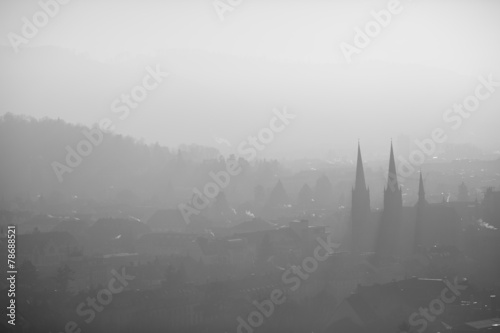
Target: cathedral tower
(360,208)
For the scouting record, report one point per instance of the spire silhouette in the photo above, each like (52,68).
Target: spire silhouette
(392,182)
(360,183)
(419,217)
(421,190)
(388,238)
(360,209)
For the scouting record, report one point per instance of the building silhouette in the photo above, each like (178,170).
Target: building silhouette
(388,233)
(420,208)
(397,230)
(360,209)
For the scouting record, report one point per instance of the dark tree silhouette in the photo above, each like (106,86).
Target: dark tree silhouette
(305,197)
(63,277)
(27,274)
(278,196)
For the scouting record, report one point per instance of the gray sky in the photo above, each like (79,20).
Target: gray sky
(227,76)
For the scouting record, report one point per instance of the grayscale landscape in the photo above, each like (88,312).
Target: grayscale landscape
(249,166)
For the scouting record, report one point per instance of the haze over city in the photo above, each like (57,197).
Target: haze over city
(248,166)
(264,56)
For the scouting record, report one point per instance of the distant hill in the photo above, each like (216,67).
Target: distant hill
(120,168)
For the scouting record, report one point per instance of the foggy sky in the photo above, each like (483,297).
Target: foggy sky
(226,77)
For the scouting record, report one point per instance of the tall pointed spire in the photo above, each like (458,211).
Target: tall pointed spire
(392,182)
(419,216)
(421,190)
(388,238)
(360,209)
(360,173)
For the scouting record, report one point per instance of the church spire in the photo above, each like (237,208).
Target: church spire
(419,218)
(360,209)
(421,190)
(392,182)
(388,241)
(360,173)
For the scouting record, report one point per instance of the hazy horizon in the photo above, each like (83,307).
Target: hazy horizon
(254,61)
(199,166)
